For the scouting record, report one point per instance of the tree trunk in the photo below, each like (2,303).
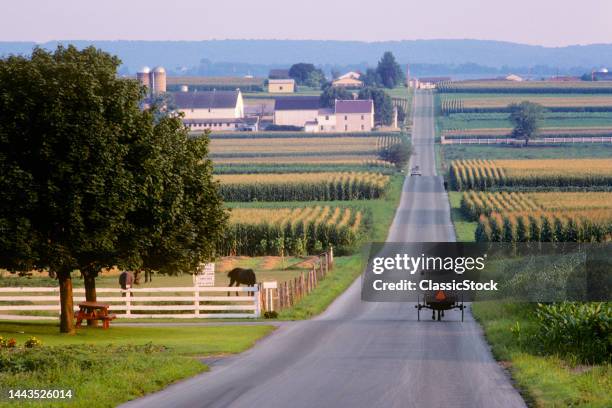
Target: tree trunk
(90,293)
(66,304)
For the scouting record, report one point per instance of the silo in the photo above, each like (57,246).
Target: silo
(143,76)
(159,80)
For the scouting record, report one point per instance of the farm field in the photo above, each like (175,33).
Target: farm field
(256,151)
(493,86)
(485,100)
(550,174)
(298,230)
(542,217)
(561,120)
(228,147)
(302,186)
(448,153)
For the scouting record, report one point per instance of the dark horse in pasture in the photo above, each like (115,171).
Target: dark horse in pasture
(126,279)
(241,275)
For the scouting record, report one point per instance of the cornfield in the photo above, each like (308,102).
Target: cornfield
(302,186)
(296,231)
(451,105)
(546,226)
(477,203)
(531,174)
(597,87)
(544,217)
(295,148)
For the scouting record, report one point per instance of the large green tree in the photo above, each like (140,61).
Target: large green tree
(331,93)
(526,117)
(82,167)
(389,71)
(307,74)
(383,106)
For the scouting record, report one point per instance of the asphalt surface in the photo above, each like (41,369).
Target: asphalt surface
(360,354)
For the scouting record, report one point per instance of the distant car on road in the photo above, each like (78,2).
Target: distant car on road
(415,171)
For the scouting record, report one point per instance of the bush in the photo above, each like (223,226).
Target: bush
(32,342)
(270,314)
(578,330)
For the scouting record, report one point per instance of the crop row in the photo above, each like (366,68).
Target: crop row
(297,231)
(543,87)
(546,226)
(477,203)
(531,174)
(302,186)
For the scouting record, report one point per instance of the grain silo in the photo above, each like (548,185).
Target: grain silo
(158,78)
(144,76)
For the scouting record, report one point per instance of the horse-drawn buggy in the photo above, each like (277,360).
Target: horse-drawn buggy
(439,301)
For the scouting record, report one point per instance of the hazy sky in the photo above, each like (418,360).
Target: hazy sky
(544,22)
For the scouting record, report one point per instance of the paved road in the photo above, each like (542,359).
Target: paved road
(360,354)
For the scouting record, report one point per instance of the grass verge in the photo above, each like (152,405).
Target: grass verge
(464,229)
(544,380)
(107,367)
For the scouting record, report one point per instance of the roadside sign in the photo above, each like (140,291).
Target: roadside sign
(205,275)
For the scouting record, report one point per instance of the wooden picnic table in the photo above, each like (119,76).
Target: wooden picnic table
(94,311)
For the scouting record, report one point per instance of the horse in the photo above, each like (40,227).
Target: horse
(126,279)
(241,275)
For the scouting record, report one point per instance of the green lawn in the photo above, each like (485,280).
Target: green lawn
(107,367)
(545,381)
(463,152)
(500,120)
(464,228)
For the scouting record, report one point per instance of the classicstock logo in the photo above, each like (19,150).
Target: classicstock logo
(541,272)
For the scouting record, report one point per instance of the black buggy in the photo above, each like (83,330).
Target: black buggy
(439,301)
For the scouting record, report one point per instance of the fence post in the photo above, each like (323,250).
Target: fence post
(331,257)
(257,300)
(128,302)
(302,284)
(196,301)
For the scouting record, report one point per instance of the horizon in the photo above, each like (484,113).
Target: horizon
(64,40)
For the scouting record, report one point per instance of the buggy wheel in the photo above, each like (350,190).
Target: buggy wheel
(462,307)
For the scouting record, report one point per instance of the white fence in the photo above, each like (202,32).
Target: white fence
(541,140)
(177,303)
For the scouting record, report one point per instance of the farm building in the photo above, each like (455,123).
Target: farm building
(305,111)
(354,116)
(326,120)
(348,80)
(154,80)
(513,77)
(281,85)
(217,110)
(296,110)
